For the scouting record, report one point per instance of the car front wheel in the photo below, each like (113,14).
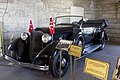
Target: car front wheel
(54,64)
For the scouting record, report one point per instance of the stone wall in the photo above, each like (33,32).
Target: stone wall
(19,12)
(110,10)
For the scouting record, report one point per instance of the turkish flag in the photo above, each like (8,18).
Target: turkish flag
(51,27)
(30,26)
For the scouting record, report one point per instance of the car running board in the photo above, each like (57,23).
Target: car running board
(89,50)
(29,65)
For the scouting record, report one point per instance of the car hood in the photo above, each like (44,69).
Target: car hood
(57,29)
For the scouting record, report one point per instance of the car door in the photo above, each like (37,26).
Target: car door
(88,33)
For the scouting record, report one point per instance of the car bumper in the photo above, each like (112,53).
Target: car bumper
(29,65)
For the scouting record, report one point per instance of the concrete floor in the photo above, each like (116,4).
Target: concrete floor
(109,54)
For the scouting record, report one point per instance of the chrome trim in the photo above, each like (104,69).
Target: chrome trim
(64,62)
(34,66)
(10,59)
(9,47)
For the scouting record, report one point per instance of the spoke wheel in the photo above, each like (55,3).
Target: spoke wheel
(54,64)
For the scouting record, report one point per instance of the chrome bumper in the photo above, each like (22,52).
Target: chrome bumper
(29,65)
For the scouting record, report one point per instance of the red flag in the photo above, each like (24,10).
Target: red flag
(30,26)
(51,27)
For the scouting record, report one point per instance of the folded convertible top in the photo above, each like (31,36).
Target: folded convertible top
(95,23)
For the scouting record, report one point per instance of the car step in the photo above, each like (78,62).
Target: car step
(88,45)
(89,50)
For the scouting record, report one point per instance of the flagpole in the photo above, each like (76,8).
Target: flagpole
(52,37)
(51,28)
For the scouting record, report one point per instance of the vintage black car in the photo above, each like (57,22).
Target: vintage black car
(37,50)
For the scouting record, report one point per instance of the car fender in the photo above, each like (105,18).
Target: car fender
(103,33)
(47,51)
(13,44)
(81,37)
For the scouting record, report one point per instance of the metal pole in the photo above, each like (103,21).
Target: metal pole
(88,77)
(60,62)
(52,37)
(95,78)
(71,68)
(74,77)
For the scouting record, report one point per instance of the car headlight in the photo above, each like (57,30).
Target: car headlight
(24,36)
(46,38)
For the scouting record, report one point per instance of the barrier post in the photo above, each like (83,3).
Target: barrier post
(74,77)
(71,74)
(60,62)
(76,52)
(94,78)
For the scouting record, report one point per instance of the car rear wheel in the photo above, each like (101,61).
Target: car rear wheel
(54,64)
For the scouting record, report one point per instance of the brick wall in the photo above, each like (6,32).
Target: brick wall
(18,13)
(110,10)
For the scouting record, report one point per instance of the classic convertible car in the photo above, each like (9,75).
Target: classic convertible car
(37,50)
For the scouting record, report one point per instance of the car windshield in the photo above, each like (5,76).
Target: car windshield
(66,20)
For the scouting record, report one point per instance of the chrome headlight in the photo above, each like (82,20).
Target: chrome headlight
(46,38)
(24,36)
